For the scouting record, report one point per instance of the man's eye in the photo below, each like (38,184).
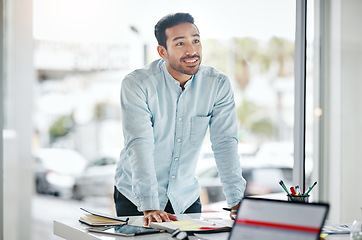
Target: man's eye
(197,41)
(180,44)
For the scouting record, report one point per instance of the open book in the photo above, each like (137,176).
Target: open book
(96,219)
(194,225)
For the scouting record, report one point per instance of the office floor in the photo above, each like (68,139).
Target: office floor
(46,208)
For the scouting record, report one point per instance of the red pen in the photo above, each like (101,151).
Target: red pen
(293,191)
(208,228)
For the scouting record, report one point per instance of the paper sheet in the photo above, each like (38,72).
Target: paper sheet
(213,236)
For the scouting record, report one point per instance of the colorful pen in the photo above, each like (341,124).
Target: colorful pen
(293,191)
(297,190)
(283,186)
(310,189)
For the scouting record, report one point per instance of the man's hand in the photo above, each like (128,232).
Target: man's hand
(157,216)
(234,210)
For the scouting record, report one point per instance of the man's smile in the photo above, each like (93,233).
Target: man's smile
(191,62)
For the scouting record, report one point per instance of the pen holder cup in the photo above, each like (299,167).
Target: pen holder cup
(298,198)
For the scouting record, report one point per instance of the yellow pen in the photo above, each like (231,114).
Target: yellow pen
(297,190)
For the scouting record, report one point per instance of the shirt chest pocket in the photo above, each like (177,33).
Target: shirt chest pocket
(198,128)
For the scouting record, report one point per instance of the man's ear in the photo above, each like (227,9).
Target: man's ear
(162,51)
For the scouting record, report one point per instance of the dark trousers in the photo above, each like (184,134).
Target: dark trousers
(125,207)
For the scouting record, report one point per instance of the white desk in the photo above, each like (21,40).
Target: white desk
(74,230)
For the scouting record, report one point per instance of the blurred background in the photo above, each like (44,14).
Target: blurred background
(76,55)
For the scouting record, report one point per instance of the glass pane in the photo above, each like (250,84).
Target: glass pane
(256,50)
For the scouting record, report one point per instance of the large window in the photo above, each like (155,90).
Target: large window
(81,64)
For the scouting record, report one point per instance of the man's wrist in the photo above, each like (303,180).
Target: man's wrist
(148,211)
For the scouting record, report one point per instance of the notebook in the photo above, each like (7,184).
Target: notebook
(260,219)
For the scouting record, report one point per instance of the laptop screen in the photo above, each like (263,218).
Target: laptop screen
(260,219)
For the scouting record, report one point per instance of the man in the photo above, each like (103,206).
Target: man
(166,110)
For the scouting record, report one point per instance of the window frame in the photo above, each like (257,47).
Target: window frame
(300,94)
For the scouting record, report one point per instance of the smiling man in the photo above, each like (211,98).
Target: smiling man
(167,107)
(182,53)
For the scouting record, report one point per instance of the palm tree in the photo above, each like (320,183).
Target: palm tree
(246,52)
(253,120)
(281,50)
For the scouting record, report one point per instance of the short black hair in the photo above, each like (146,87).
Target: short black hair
(170,21)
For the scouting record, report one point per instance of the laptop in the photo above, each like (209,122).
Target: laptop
(260,219)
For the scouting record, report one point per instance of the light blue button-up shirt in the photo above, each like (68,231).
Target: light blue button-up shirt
(164,128)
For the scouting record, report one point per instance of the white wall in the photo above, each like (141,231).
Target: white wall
(19,79)
(342,124)
(1,122)
(351,109)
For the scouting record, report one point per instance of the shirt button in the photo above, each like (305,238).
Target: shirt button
(176,158)
(176,82)
(179,119)
(178,140)
(139,204)
(173,176)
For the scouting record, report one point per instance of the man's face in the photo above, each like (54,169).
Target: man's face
(183,55)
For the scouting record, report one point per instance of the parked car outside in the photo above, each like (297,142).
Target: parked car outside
(97,179)
(282,153)
(206,157)
(261,180)
(262,170)
(56,169)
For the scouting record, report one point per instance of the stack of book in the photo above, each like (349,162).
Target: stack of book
(96,219)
